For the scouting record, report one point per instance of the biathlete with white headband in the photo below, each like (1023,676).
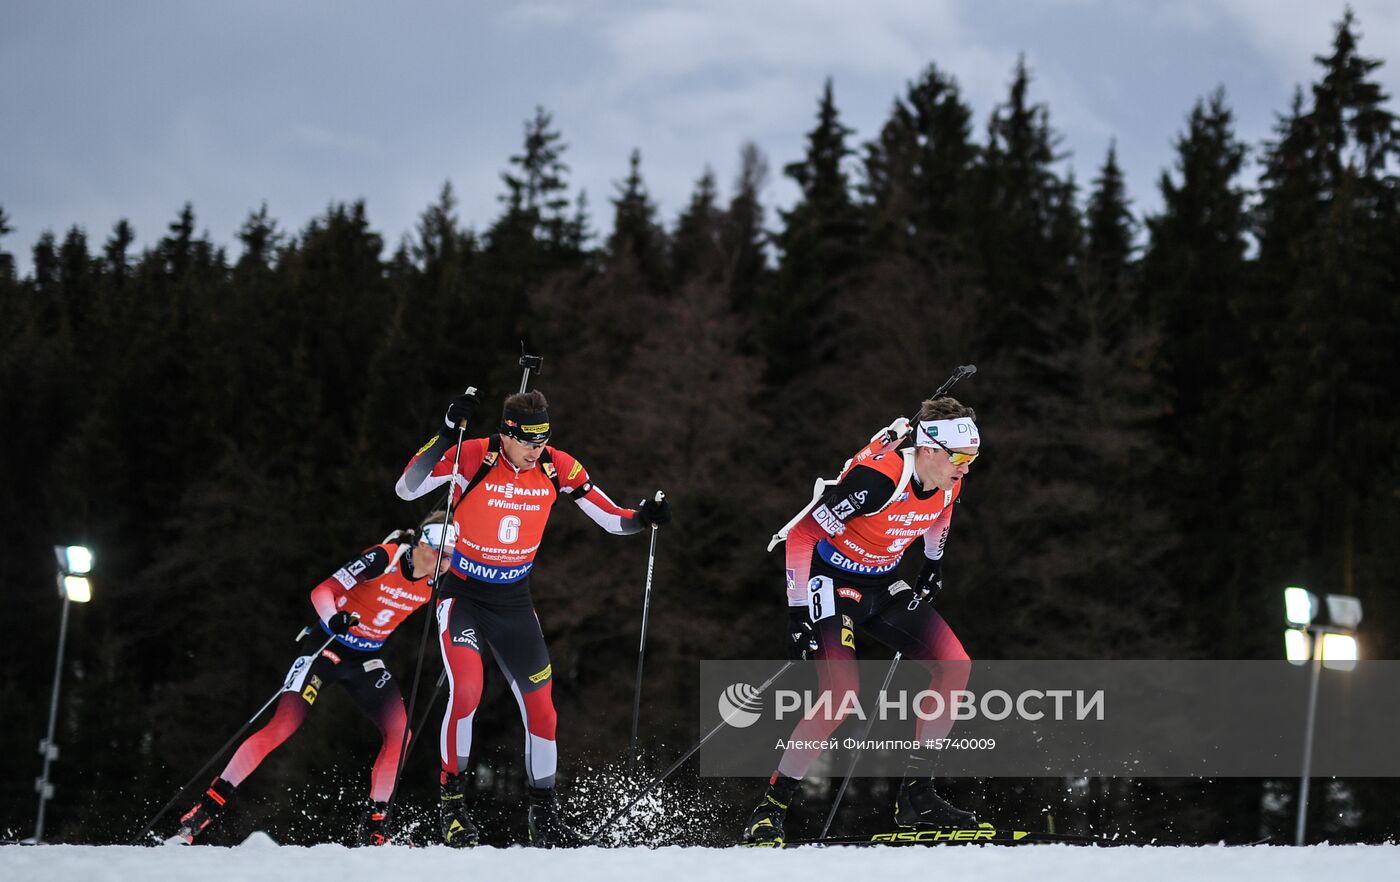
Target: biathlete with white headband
(841,557)
(505,487)
(360,604)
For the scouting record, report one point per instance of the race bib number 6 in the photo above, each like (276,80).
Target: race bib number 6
(509,530)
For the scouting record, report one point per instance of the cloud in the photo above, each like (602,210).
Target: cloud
(528,15)
(888,36)
(1290,34)
(143,108)
(688,84)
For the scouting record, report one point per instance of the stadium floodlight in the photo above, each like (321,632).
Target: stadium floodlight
(1343,611)
(77,588)
(74,560)
(1325,634)
(1339,652)
(74,566)
(1298,644)
(1299,606)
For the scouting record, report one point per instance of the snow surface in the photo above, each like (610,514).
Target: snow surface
(265,862)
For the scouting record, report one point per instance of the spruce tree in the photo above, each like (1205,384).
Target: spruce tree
(1110,229)
(7,260)
(77,277)
(637,239)
(743,240)
(1024,209)
(536,198)
(1195,278)
(44,282)
(820,248)
(1328,274)
(534,238)
(1194,267)
(442,250)
(114,253)
(917,173)
(695,246)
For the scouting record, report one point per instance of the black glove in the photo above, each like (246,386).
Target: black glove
(341,623)
(802,637)
(654,514)
(930,580)
(461,409)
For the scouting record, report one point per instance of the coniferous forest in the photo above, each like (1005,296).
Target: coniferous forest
(1185,412)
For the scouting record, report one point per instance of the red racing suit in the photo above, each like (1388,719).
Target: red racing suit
(500,514)
(848,529)
(501,520)
(379,585)
(840,562)
(375,586)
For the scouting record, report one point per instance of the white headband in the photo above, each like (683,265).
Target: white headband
(432,534)
(960,432)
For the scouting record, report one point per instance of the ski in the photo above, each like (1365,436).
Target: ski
(982,834)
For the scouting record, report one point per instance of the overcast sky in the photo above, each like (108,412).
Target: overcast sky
(129,110)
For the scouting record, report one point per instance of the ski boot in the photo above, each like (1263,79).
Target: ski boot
(206,811)
(918,805)
(546,821)
(765,829)
(372,824)
(458,830)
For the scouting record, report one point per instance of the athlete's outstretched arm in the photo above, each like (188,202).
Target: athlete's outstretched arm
(574,483)
(431,467)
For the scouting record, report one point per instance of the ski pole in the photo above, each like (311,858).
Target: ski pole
(831,815)
(140,837)
(642,648)
(428,620)
(592,837)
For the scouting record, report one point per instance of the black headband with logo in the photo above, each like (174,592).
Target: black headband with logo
(532,427)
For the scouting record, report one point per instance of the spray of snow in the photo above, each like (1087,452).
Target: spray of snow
(668,814)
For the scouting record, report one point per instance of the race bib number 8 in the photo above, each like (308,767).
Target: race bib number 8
(821,598)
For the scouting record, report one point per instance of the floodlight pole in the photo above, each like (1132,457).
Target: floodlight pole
(47,746)
(1300,832)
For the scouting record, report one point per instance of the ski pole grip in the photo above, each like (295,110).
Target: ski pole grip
(462,424)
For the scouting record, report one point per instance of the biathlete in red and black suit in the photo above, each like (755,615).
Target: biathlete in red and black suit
(360,604)
(841,556)
(505,488)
